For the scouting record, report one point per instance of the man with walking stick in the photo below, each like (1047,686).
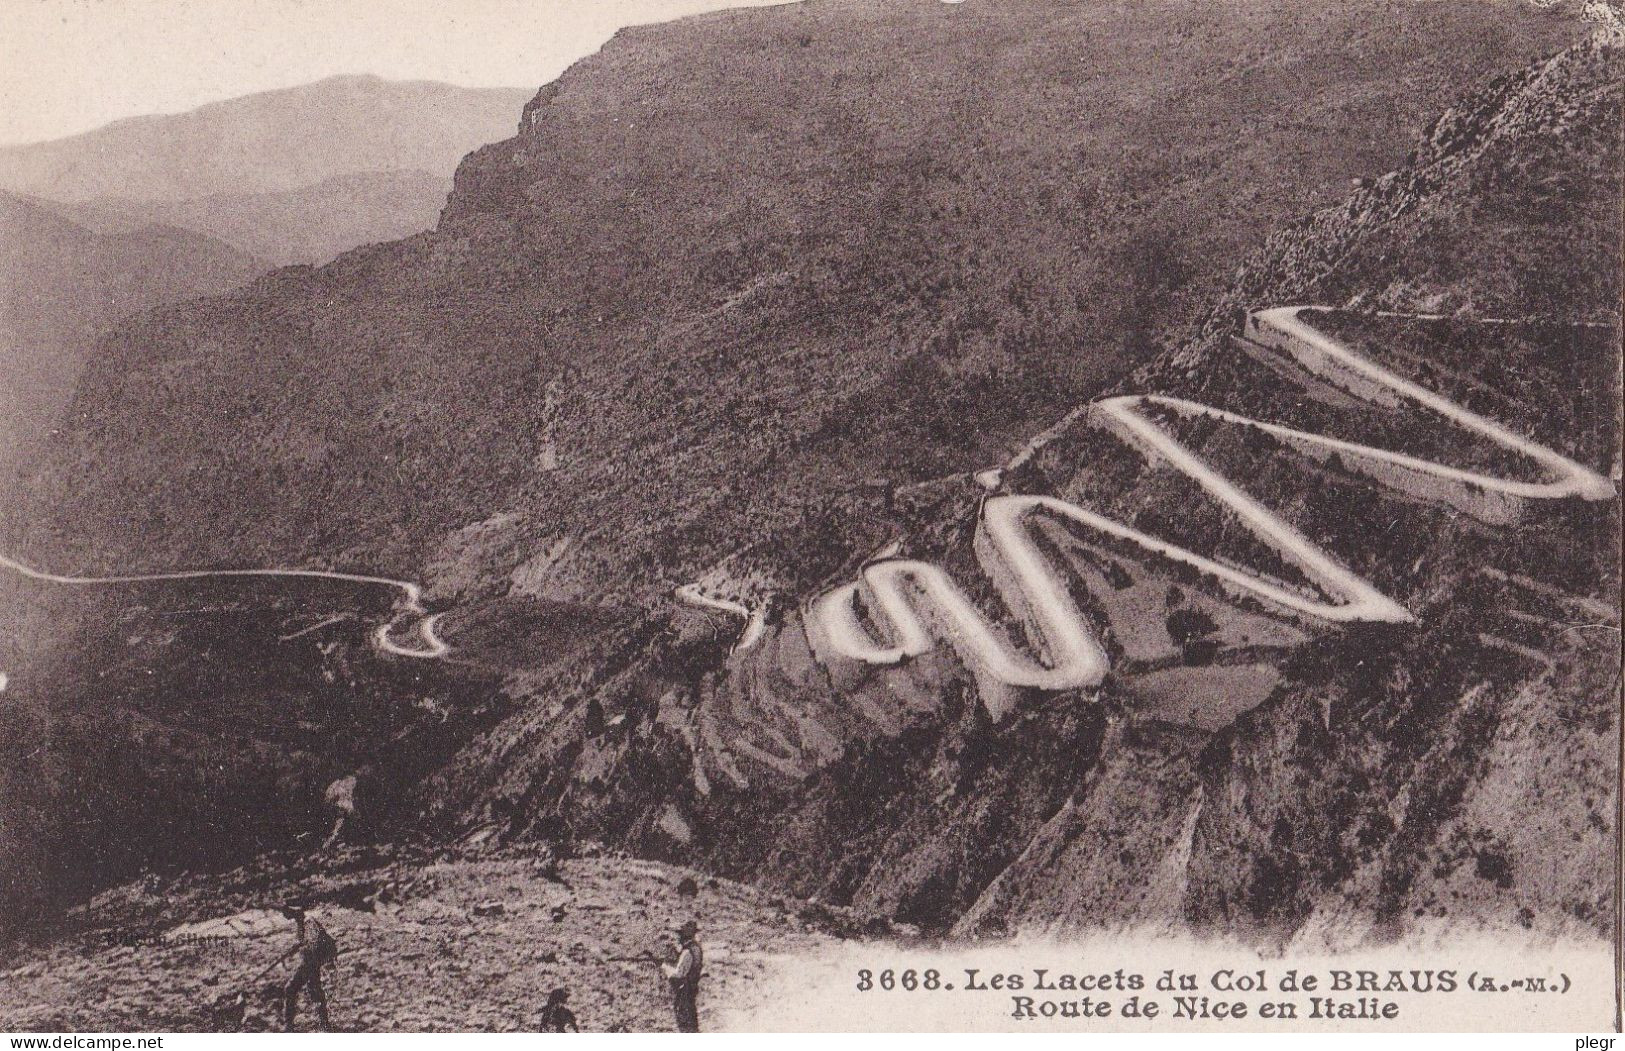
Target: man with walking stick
(315,949)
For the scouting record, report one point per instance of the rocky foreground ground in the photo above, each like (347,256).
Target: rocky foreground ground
(427,944)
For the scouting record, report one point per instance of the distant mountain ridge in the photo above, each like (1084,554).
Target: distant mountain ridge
(310,224)
(268,142)
(145,211)
(61,285)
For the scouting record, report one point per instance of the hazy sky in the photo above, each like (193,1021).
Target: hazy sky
(70,65)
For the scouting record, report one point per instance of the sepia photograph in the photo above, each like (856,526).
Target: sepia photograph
(807,516)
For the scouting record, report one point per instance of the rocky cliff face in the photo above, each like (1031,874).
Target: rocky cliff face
(1519,172)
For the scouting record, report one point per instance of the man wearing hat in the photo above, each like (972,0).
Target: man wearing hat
(684,977)
(315,949)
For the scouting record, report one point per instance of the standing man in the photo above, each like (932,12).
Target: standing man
(315,949)
(557,1018)
(684,978)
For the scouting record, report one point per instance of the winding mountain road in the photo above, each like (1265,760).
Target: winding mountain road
(755,620)
(408,606)
(915,603)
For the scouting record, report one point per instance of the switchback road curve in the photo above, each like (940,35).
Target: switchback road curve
(408,606)
(914,603)
(755,620)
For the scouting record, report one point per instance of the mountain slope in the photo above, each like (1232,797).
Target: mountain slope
(1242,771)
(161,208)
(1453,775)
(764,256)
(269,142)
(748,299)
(62,287)
(429,944)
